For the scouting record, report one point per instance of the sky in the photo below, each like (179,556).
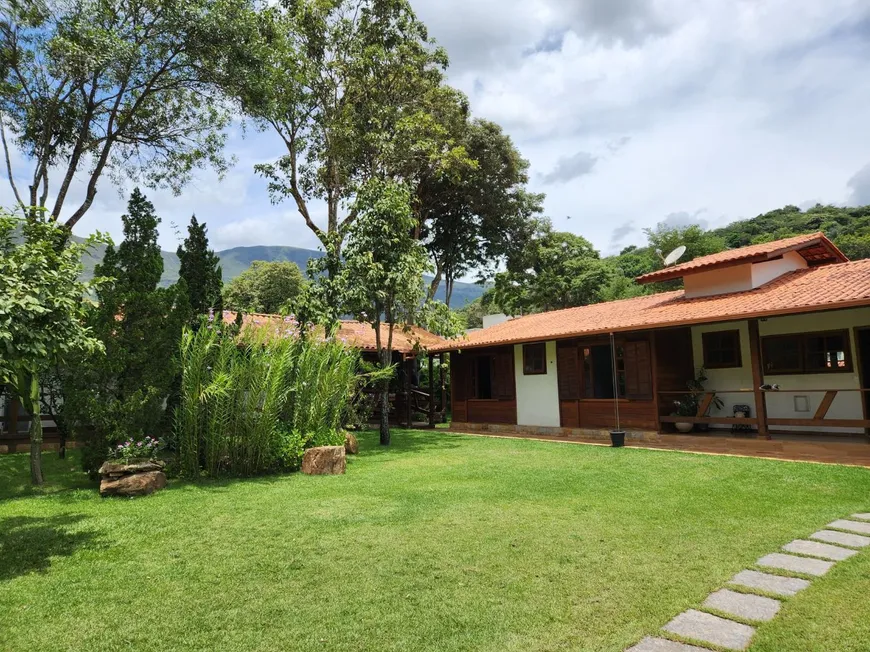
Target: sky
(631,112)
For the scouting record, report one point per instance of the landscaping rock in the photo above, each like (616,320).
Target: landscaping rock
(743,605)
(843,538)
(815,549)
(852,526)
(796,564)
(711,629)
(861,517)
(776,584)
(114,469)
(136,484)
(324,460)
(650,644)
(351,445)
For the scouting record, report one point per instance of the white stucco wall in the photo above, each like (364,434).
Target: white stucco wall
(718,281)
(847,405)
(767,271)
(538,395)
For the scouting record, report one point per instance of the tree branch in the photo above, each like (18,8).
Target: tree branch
(9,162)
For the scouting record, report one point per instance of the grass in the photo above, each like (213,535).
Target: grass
(441,542)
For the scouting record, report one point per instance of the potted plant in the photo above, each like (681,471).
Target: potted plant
(689,404)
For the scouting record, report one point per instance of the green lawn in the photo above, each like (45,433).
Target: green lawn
(441,542)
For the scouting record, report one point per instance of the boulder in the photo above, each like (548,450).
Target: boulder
(118,469)
(136,484)
(324,460)
(351,445)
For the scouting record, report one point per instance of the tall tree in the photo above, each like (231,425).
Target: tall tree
(480,214)
(382,274)
(123,394)
(114,87)
(556,270)
(349,88)
(200,269)
(42,312)
(266,287)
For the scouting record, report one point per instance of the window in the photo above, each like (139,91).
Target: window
(807,353)
(534,359)
(721,349)
(483,377)
(598,371)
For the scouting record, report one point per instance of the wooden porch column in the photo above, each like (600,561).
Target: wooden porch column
(443,396)
(758,379)
(408,370)
(655,382)
(431,392)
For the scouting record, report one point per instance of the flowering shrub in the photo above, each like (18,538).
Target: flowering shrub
(132,449)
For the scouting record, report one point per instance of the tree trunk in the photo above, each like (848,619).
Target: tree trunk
(386,360)
(32,405)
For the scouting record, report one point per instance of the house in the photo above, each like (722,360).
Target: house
(409,344)
(782,329)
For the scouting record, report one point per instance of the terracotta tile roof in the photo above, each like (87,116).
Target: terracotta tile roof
(842,285)
(358,334)
(815,247)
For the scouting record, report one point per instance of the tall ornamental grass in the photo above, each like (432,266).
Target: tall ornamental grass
(253,404)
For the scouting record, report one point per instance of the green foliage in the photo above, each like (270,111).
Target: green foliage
(201,270)
(253,405)
(556,270)
(42,310)
(104,87)
(264,287)
(122,395)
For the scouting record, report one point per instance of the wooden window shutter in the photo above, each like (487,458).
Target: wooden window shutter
(568,372)
(638,370)
(459,376)
(503,375)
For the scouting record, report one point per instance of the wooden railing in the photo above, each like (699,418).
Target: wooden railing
(818,420)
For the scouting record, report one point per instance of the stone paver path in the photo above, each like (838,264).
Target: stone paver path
(804,565)
(743,605)
(650,644)
(843,538)
(711,629)
(816,549)
(820,551)
(852,526)
(776,584)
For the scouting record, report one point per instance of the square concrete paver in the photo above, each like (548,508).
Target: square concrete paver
(650,644)
(776,584)
(844,539)
(852,526)
(861,517)
(711,629)
(816,567)
(816,549)
(744,605)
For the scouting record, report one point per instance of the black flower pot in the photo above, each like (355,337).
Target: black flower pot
(617,438)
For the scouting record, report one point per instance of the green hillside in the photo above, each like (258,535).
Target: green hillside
(234,261)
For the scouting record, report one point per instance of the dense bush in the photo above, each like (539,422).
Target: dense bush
(253,404)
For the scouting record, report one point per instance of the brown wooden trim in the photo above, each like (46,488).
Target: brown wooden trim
(610,400)
(823,423)
(758,379)
(443,396)
(859,360)
(705,404)
(431,392)
(712,365)
(729,420)
(654,367)
(825,405)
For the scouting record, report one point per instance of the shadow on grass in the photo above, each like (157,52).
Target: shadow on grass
(28,543)
(403,440)
(59,475)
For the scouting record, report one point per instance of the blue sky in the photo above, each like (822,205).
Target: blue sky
(631,112)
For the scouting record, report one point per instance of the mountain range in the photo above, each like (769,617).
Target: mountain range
(236,260)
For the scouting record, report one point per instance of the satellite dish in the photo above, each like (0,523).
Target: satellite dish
(675,255)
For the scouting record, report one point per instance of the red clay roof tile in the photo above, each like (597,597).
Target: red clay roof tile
(764,251)
(807,290)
